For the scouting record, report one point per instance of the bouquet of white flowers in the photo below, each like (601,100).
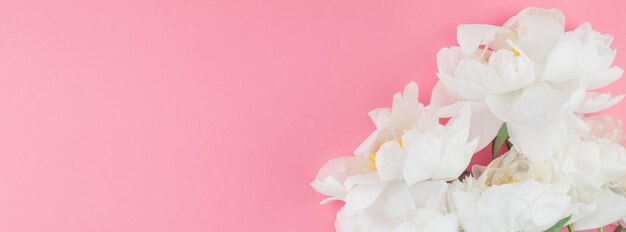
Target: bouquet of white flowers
(524,87)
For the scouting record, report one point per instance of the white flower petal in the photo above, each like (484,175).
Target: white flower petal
(542,140)
(542,101)
(483,124)
(440,97)
(501,105)
(407,113)
(462,89)
(564,63)
(471,36)
(362,196)
(422,155)
(456,150)
(371,143)
(611,208)
(408,227)
(390,161)
(394,204)
(595,102)
(537,30)
(613,156)
(405,110)
(330,179)
(430,194)
(523,15)
(448,58)
(512,72)
(382,119)
(367,178)
(447,223)
(604,78)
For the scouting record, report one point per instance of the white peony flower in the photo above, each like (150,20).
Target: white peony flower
(603,128)
(530,74)
(392,206)
(416,148)
(440,152)
(591,166)
(515,206)
(511,194)
(340,175)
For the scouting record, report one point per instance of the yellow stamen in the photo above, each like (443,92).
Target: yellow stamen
(507,181)
(372,163)
(515,52)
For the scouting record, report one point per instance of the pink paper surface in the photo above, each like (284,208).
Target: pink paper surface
(190,115)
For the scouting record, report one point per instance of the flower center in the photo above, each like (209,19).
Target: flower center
(500,181)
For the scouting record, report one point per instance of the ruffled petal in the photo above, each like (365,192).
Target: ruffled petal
(595,102)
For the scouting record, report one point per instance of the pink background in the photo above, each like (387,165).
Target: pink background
(210,115)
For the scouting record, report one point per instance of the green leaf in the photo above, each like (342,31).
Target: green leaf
(502,136)
(559,224)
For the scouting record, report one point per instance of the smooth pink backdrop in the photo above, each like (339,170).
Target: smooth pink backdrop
(210,115)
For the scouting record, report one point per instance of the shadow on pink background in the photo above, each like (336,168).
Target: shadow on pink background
(210,115)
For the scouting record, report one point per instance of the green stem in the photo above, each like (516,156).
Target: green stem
(601,229)
(570,228)
(498,141)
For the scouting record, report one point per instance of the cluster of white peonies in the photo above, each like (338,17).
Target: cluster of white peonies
(526,84)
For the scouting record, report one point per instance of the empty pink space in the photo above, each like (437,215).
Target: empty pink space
(211,115)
